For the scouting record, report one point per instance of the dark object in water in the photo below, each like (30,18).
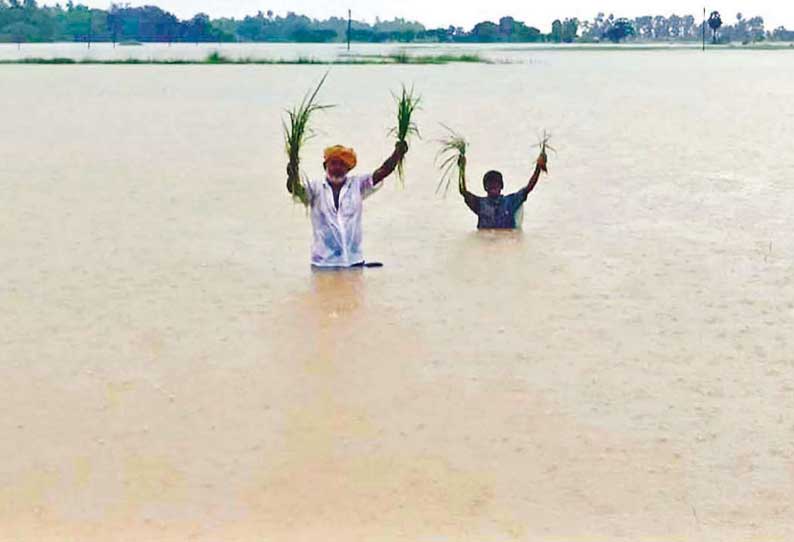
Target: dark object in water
(355,267)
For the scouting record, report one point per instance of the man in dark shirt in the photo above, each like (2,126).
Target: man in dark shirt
(496,211)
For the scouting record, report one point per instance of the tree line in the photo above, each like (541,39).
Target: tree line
(24,21)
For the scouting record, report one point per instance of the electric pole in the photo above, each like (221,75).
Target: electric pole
(349,26)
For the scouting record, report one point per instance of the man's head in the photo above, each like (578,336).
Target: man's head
(493,184)
(338,161)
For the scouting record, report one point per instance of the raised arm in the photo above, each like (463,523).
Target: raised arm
(295,186)
(540,166)
(471,200)
(400,149)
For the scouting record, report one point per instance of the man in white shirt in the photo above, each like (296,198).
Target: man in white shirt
(336,204)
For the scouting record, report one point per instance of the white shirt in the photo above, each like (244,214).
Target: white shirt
(337,233)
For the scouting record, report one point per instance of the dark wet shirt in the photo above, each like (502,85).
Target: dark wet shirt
(499,212)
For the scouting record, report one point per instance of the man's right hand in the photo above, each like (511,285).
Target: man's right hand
(401,148)
(541,162)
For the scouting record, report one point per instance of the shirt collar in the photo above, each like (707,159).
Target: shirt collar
(329,185)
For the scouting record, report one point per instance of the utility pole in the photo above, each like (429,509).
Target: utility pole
(704,29)
(112,23)
(90,25)
(349,26)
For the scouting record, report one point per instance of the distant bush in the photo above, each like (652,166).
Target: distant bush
(216,58)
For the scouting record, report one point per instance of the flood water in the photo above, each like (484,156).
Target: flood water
(621,369)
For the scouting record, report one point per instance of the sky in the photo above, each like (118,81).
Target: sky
(433,13)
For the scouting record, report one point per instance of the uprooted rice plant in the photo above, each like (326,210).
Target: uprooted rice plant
(407,104)
(296,133)
(452,157)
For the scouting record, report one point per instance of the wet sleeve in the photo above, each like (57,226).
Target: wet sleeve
(473,202)
(517,199)
(367,185)
(310,190)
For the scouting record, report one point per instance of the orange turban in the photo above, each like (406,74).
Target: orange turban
(348,156)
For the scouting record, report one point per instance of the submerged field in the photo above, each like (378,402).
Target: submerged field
(620,370)
(360,53)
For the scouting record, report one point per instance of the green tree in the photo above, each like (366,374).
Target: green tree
(485,31)
(781,34)
(715,22)
(308,35)
(570,30)
(527,34)
(690,27)
(198,28)
(77,22)
(113,20)
(756,28)
(556,31)
(620,30)
(644,27)
(18,32)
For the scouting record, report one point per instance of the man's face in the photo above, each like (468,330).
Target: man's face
(494,188)
(336,170)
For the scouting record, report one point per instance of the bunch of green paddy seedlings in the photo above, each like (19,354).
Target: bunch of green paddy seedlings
(407,104)
(453,160)
(543,145)
(296,133)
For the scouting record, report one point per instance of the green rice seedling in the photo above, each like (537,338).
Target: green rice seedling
(407,104)
(543,145)
(452,157)
(296,133)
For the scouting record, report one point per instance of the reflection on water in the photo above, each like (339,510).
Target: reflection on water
(495,239)
(343,282)
(338,293)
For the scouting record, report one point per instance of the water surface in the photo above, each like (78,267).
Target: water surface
(622,367)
